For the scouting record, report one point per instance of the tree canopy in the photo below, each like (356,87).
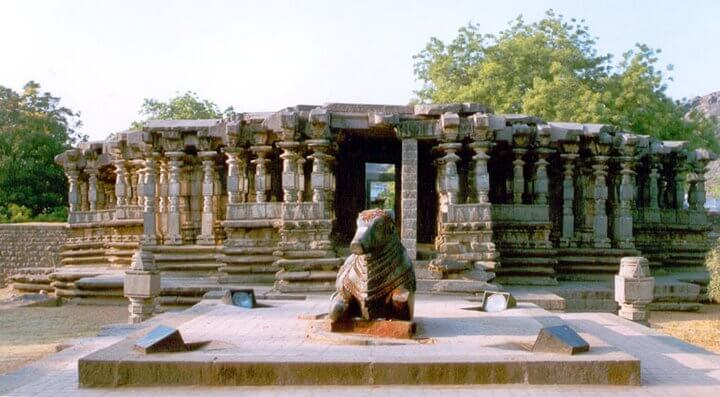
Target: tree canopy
(181,107)
(552,69)
(34,127)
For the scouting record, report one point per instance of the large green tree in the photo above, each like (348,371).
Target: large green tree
(552,69)
(34,127)
(181,107)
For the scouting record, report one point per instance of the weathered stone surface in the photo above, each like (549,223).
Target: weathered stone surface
(456,352)
(379,328)
(30,245)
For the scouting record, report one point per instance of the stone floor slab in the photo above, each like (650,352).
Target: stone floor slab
(271,346)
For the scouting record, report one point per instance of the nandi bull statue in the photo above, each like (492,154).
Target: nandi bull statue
(377,280)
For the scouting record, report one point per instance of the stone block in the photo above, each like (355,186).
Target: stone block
(141,284)
(161,339)
(634,289)
(380,328)
(560,339)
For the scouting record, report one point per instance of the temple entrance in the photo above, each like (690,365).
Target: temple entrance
(367,176)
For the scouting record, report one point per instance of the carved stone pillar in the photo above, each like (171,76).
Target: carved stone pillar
(481,178)
(623,222)
(139,184)
(73,190)
(696,192)
(408,198)
(237,182)
(142,285)
(301,178)
(568,219)
(600,196)
(449,179)
(92,192)
(121,182)
(518,181)
(149,194)
(262,176)
(173,223)
(653,186)
(540,180)
(207,224)
(133,176)
(84,206)
(162,197)
(290,170)
(321,178)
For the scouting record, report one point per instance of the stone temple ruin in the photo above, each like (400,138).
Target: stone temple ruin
(273,197)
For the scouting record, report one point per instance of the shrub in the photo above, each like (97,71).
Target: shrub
(713,265)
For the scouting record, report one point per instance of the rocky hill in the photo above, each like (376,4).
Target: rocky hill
(710,105)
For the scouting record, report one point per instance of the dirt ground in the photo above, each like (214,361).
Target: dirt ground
(29,333)
(701,328)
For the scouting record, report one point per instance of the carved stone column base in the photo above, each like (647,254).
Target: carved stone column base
(140,309)
(205,240)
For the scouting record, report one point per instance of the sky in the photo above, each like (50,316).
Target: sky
(103,57)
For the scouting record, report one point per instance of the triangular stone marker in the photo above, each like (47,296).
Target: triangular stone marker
(560,339)
(161,339)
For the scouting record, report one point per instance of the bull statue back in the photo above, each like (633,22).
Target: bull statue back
(377,281)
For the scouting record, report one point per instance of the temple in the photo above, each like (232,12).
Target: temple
(273,197)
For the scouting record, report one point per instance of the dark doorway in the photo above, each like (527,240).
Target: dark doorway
(352,184)
(427,200)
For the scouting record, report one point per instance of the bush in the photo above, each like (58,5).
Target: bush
(713,265)
(13,213)
(57,214)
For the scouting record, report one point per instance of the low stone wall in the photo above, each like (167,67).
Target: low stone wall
(26,246)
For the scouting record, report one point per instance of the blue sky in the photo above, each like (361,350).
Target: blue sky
(104,57)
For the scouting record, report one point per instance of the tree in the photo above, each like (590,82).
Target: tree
(34,127)
(551,69)
(181,107)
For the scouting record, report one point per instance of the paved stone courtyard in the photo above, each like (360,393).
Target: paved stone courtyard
(669,368)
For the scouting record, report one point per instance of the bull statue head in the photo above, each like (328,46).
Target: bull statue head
(374,228)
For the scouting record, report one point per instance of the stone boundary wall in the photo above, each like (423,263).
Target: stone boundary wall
(30,245)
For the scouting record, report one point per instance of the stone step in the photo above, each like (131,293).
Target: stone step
(526,280)
(95,261)
(506,270)
(308,254)
(247,269)
(312,275)
(527,252)
(309,264)
(184,257)
(83,252)
(248,250)
(188,266)
(247,259)
(99,283)
(573,260)
(470,287)
(509,261)
(256,278)
(305,286)
(192,249)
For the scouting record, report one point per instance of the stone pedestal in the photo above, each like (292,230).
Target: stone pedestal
(142,286)
(634,288)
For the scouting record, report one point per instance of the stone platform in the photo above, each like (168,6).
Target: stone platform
(276,346)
